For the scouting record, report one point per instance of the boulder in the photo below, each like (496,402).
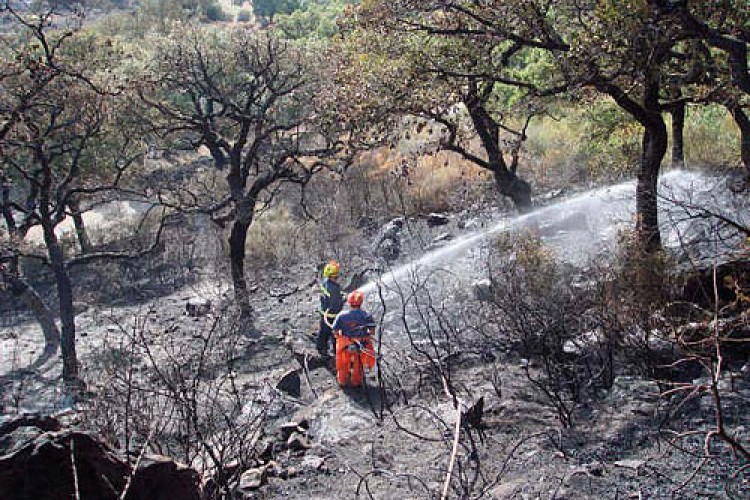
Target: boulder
(37,456)
(298,442)
(161,478)
(434,219)
(252,479)
(290,383)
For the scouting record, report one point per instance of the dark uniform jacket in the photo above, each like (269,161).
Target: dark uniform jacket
(331,298)
(354,323)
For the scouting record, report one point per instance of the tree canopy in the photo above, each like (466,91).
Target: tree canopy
(246,97)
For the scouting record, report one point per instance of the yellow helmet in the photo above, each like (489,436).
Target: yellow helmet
(331,270)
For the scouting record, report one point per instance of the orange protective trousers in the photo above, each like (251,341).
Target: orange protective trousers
(350,363)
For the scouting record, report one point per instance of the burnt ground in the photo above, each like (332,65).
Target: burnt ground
(395,440)
(619,447)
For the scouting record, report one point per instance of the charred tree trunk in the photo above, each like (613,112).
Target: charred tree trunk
(655,142)
(237,239)
(65,305)
(654,147)
(26,294)
(83,236)
(9,273)
(515,188)
(678,136)
(743,123)
(488,130)
(243,212)
(5,204)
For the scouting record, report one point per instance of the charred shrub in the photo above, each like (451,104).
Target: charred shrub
(547,314)
(180,394)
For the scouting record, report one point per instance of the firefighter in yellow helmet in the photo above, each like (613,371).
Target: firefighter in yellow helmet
(331,303)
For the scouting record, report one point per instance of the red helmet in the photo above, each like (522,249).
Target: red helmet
(355,298)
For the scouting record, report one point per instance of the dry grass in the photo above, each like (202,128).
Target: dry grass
(600,141)
(428,183)
(444,182)
(711,138)
(277,237)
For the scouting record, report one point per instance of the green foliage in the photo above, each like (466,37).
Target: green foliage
(214,12)
(150,15)
(583,142)
(313,19)
(244,16)
(611,139)
(598,140)
(270,8)
(711,137)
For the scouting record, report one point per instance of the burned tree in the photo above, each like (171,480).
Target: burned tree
(248,98)
(60,143)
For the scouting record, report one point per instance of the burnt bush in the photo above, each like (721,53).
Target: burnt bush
(160,390)
(574,329)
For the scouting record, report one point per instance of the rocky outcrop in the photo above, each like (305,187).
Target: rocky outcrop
(42,460)
(161,478)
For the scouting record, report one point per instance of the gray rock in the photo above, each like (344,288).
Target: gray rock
(287,429)
(160,477)
(298,442)
(290,383)
(32,447)
(313,462)
(630,463)
(434,219)
(253,479)
(482,290)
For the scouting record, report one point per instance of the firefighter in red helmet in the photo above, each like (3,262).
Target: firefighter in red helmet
(354,350)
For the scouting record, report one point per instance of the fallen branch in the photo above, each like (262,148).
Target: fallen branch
(457,403)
